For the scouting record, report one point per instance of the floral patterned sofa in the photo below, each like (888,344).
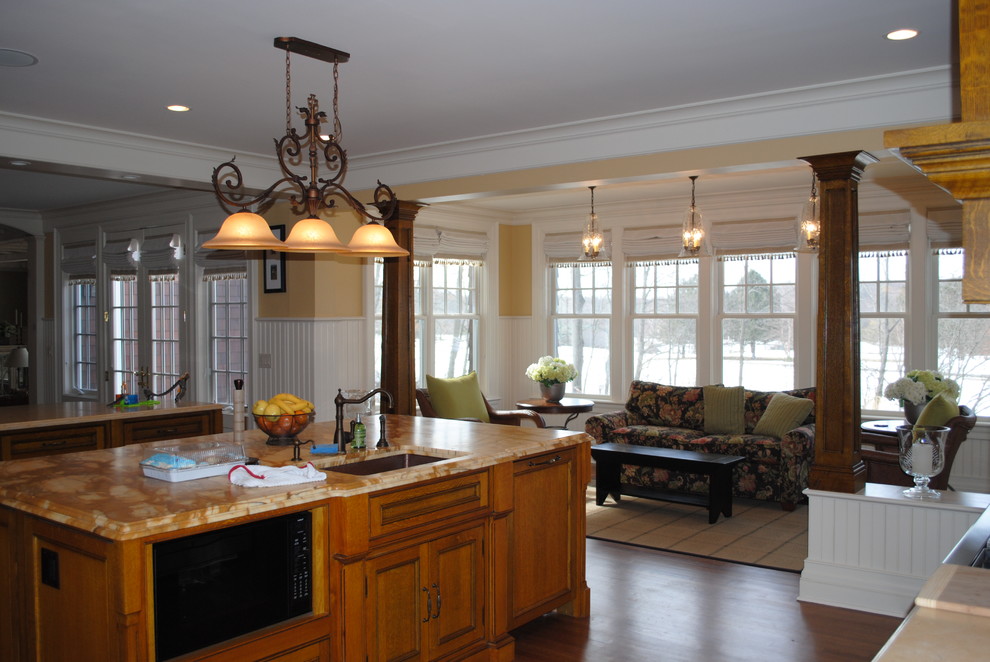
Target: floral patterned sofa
(673,417)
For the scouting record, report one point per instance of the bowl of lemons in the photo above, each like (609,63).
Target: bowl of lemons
(283,417)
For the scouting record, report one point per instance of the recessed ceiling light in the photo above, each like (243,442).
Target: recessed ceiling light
(20,164)
(13,58)
(901,35)
(178,108)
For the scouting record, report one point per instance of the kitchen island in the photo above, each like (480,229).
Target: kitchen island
(495,524)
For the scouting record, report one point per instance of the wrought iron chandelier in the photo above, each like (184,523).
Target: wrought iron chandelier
(308,193)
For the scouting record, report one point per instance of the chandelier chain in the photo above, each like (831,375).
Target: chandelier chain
(337,131)
(288,92)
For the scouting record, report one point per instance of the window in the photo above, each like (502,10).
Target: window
(83,349)
(144,311)
(963,345)
(581,310)
(225,292)
(227,300)
(447,281)
(883,315)
(757,323)
(665,320)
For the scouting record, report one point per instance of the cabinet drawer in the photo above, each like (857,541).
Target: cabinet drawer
(425,504)
(165,427)
(52,441)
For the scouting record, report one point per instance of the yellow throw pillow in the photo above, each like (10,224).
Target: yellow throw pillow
(459,397)
(724,410)
(938,411)
(783,414)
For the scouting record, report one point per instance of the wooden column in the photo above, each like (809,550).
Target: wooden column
(957,156)
(838,466)
(398,312)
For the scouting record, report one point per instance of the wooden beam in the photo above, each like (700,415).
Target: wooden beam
(398,312)
(957,156)
(838,466)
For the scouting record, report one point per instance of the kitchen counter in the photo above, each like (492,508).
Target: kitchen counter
(74,413)
(105,492)
(497,524)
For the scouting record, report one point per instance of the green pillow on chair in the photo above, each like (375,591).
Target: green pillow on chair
(938,411)
(459,397)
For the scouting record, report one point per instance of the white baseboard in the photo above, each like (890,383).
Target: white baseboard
(874,591)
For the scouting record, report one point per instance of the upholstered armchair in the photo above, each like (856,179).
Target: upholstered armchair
(881,455)
(501,417)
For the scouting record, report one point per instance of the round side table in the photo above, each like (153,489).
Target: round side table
(571,406)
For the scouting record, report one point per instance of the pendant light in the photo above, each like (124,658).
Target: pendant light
(592,239)
(810,222)
(694,237)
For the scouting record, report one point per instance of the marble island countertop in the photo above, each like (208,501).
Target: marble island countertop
(74,413)
(106,493)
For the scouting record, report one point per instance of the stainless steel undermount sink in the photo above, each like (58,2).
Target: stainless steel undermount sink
(378,465)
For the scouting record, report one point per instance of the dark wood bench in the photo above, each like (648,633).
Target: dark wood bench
(610,457)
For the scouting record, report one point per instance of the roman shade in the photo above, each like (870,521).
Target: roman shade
(79,263)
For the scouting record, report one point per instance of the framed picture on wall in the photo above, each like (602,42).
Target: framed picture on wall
(274,265)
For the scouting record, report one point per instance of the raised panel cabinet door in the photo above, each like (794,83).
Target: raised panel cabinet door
(542,535)
(458,581)
(397,605)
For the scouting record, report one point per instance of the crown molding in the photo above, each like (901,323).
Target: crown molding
(913,97)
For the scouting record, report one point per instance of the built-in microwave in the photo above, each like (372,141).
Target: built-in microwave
(212,586)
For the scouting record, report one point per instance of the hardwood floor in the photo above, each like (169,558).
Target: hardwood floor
(649,605)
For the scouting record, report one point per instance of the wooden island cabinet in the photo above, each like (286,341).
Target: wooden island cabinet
(68,427)
(436,562)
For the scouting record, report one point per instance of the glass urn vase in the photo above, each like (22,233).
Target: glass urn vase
(552,393)
(922,455)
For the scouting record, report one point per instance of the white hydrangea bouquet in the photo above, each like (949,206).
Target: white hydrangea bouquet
(920,386)
(550,370)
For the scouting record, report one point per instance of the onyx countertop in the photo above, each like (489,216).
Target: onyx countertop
(105,491)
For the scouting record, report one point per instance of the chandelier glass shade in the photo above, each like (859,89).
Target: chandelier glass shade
(694,236)
(592,239)
(244,230)
(810,222)
(374,240)
(309,192)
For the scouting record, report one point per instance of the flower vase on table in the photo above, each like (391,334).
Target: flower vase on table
(552,374)
(553,393)
(922,455)
(912,410)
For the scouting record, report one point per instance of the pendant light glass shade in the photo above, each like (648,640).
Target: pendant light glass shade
(373,240)
(694,235)
(810,222)
(245,231)
(592,239)
(313,235)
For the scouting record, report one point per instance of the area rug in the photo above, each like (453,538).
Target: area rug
(758,533)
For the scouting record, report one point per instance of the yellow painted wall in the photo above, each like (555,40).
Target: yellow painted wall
(515,270)
(316,286)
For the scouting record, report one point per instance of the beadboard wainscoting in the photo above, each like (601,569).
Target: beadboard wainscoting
(971,468)
(873,551)
(311,358)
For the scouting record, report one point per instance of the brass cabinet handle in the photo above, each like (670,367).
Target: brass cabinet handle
(437,615)
(429,604)
(555,458)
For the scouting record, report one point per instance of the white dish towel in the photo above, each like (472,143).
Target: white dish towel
(260,476)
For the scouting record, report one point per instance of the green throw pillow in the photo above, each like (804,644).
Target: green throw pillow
(783,414)
(724,410)
(938,411)
(459,397)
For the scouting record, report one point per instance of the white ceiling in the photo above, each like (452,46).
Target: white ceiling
(427,72)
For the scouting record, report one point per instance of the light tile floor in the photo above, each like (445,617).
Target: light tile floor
(758,532)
